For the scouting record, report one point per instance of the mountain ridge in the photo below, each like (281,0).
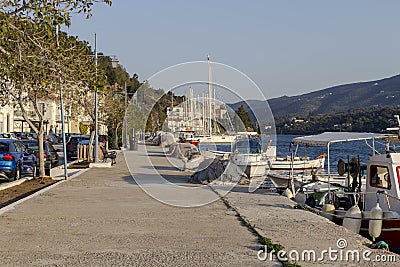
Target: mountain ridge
(336,99)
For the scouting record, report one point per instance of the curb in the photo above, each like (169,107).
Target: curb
(14,183)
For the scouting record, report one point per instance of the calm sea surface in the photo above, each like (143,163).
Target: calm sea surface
(337,150)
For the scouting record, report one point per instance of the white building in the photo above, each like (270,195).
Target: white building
(6,119)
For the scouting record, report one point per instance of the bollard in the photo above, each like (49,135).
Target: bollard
(79,152)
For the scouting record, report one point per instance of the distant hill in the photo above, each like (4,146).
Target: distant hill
(337,99)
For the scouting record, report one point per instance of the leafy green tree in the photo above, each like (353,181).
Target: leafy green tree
(244,117)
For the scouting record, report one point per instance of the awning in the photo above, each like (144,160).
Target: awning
(335,137)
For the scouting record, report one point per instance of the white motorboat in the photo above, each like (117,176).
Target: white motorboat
(248,156)
(283,180)
(324,140)
(297,163)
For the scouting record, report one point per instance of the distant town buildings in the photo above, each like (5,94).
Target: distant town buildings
(193,115)
(11,119)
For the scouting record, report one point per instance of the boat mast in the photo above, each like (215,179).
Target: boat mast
(209,94)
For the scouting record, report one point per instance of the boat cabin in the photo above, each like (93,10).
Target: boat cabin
(383,174)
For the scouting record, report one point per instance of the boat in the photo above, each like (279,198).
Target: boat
(297,163)
(378,206)
(283,180)
(325,139)
(210,135)
(247,155)
(372,211)
(195,121)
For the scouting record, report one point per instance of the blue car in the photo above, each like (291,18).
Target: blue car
(15,160)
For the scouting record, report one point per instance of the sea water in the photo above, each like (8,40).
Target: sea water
(344,150)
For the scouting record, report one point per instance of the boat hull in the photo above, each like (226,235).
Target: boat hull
(216,139)
(253,170)
(282,181)
(390,231)
(252,165)
(299,164)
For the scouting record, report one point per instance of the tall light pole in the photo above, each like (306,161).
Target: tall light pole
(62,116)
(96,111)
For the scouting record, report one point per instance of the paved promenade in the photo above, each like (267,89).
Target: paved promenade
(102,218)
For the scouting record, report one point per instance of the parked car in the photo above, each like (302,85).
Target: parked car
(32,135)
(72,144)
(8,135)
(52,138)
(16,160)
(21,135)
(50,153)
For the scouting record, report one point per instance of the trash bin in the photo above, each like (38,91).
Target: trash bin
(133,144)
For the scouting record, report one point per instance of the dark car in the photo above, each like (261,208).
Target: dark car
(50,153)
(8,135)
(21,135)
(15,160)
(72,145)
(54,139)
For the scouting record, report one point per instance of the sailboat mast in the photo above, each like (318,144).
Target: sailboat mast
(210,94)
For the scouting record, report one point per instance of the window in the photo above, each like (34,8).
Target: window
(379,177)
(3,147)
(42,108)
(18,147)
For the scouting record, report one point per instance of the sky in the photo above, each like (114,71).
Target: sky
(285,47)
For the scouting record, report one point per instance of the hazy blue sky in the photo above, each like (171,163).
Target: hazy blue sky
(286,47)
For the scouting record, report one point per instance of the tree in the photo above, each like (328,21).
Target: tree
(119,89)
(244,117)
(33,56)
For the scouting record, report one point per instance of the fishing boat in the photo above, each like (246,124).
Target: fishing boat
(247,155)
(374,210)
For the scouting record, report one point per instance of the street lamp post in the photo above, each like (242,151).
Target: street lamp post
(96,125)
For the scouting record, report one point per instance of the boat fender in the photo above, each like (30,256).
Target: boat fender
(352,219)
(327,211)
(288,193)
(300,198)
(380,245)
(375,222)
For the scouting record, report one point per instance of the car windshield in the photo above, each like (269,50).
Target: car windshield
(76,139)
(32,145)
(3,147)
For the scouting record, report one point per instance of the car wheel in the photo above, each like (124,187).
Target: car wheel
(17,175)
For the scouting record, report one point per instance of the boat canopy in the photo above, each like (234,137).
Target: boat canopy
(326,138)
